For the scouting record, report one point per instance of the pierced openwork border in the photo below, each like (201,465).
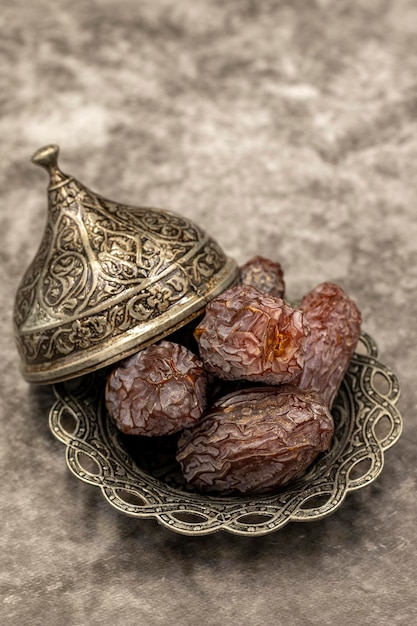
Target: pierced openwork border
(367,423)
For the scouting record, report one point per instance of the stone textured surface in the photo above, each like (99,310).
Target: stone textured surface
(285,128)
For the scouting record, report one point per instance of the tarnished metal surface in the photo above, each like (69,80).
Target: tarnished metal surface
(108,279)
(141,478)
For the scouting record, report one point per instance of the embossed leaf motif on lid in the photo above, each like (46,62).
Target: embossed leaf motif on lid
(108,279)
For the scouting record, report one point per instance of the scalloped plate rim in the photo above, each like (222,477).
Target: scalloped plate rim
(177,501)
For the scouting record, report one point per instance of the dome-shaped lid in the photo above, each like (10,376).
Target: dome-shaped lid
(108,279)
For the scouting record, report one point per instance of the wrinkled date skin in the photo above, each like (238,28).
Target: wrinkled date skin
(246,334)
(255,440)
(265,275)
(335,323)
(157,391)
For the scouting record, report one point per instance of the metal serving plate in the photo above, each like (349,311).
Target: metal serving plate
(140,477)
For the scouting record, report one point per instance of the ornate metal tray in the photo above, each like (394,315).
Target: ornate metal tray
(139,476)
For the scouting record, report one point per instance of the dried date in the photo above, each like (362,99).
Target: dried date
(335,323)
(265,275)
(255,440)
(246,334)
(157,391)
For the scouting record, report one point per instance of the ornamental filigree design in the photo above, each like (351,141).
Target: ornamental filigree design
(142,306)
(140,477)
(103,269)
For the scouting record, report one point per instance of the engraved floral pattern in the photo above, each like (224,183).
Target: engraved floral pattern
(102,269)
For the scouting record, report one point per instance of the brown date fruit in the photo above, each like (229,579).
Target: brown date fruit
(265,275)
(255,440)
(246,334)
(157,391)
(335,323)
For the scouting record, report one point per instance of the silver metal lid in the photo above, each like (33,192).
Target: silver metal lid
(108,279)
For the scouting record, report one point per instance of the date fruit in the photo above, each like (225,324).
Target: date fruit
(157,391)
(265,275)
(335,323)
(246,334)
(255,440)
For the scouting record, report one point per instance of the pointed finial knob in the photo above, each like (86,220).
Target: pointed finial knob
(47,157)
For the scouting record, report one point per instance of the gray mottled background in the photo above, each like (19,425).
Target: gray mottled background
(282,127)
